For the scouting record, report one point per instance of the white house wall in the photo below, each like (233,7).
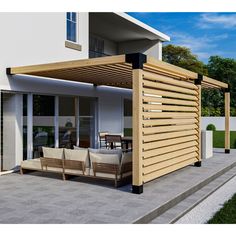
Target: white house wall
(148,47)
(34,38)
(110,47)
(155,51)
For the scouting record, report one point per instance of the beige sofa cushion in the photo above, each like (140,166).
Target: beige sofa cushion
(53,152)
(126,157)
(54,169)
(77,155)
(107,151)
(33,164)
(105,158)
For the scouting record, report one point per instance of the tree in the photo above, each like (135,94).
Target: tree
(183,57)
(224,69)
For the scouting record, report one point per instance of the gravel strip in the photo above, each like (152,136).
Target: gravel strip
(206,209)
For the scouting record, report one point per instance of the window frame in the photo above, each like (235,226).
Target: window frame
(69,17)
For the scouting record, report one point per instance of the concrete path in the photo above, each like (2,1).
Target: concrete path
(206,209)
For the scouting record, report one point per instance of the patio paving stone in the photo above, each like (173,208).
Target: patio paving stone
(45,198)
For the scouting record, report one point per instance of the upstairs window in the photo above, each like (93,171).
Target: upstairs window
(71,26)
(96,47)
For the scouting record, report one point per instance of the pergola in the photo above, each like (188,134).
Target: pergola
(166,107)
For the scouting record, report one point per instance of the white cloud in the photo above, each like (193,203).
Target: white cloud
(211,20)
(203,46)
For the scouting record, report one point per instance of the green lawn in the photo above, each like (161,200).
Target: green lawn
(128,132)
(227,214)
(219,139)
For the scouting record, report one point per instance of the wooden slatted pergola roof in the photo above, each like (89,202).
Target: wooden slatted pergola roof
(113,71)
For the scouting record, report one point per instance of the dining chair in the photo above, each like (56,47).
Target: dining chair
(113,141)
(102,140)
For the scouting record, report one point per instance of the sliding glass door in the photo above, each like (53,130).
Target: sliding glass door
(43,123)
(67,122)
(87,122)
(31,121)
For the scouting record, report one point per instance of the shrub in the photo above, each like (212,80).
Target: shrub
(211,127)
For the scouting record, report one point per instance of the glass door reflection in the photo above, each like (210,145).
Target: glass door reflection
(87,121)
(67,122)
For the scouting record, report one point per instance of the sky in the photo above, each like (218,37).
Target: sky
(206,34)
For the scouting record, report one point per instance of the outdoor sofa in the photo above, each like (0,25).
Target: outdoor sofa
(94,163)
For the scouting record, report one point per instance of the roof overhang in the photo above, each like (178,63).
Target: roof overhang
(120,27)
(115,71)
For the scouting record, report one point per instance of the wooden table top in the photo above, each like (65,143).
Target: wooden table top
(127,138)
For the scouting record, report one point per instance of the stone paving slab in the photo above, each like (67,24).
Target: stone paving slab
(45,198)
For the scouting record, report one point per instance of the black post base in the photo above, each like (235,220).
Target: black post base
(227,151)
(198,164)
(137,189)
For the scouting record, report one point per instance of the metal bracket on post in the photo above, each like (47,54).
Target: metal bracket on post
(136,59)
(8,71)
(137,189)
(198,164)
(199,79)
(226,90)
(227,151)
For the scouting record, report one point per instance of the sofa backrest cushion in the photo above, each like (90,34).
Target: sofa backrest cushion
(53,152)
(105,158)
(107,151)
(79,148)
(78,155)
(126,158)
(93,150)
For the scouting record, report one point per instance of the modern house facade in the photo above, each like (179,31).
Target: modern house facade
(39,112)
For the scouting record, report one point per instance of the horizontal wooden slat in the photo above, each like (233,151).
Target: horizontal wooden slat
(68,64)
(167,156)
(169,169)
(164,143)
(169,94)
(163,72)
(214,82)
(168,122)
(168,87)
(169,67)
(163,129)
(168,107)
(167,163)
(169,101)
(156,137)
(169,149)
(157,115)
(165,79)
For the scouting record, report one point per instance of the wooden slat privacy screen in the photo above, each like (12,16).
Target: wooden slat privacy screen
(166,124)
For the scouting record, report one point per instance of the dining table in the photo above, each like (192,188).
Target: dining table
(127,140)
